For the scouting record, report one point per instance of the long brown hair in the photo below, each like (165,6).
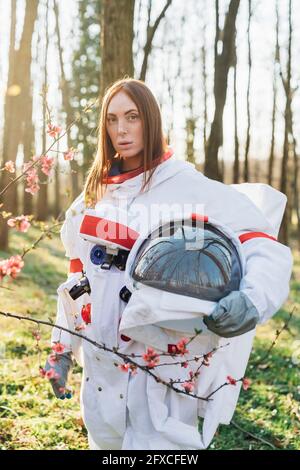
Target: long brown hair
(155,143)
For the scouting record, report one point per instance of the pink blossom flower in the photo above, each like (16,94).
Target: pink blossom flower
(184,364)
(11,267)
(124,367)
(21,223)
(69,154)
(51,374)
(31,178)
(53,130)
(28,168)
(36,335)
(53,359)
(231,380)
(153,363)
(33,189)
(151,353)
(151,358)
(80,327)
(42,372)
(188,386)
(15,265)
(192,375)
(58,348)
(181,346)
(246,383)
(47,163)
(10,166)
(206,357)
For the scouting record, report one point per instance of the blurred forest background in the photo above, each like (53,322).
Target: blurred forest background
(224,72)
(226,75)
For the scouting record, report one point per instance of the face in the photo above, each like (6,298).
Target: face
(124,127)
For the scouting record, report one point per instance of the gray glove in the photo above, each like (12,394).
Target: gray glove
(234,315)
(61,367)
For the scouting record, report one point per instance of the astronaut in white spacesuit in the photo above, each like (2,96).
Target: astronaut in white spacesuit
(126,411)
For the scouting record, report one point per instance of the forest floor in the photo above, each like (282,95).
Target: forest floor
(267,415)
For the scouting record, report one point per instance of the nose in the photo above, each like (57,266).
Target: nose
(122,128)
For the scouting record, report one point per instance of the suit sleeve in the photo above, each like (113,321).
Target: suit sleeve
(68,313)
(268,263)
(268,268)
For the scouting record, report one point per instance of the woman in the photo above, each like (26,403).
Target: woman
(133,168)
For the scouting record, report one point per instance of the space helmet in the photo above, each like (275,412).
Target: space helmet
(196,260)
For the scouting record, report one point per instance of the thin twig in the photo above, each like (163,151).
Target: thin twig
(40,238)
(14,180)
(115,351)
(257,438)
(278,333)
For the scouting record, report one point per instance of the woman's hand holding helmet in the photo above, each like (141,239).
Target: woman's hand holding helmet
(233,315)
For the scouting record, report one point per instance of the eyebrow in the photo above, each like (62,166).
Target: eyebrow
(129,111)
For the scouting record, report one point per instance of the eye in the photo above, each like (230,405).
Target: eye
(110,119)
(133,117)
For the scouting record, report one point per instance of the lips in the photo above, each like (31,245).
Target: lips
(124,143)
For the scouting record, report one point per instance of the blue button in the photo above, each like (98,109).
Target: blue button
(97,255)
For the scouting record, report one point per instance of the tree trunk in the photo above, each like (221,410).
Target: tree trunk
(190,129)
(272,146)
(42,202)
(236,165)
(16,96)
(29,146)
(66,94)
(276,61)
(116,41)
(247,146)
(296,188)
(204,88)
(284,184)
(223,61)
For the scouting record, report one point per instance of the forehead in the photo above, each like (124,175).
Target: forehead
(120,103)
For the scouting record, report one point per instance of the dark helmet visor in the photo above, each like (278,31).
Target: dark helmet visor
(196,261)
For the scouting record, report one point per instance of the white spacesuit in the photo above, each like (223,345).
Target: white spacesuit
(124,411)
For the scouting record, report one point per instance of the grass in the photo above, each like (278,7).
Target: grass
(32,418)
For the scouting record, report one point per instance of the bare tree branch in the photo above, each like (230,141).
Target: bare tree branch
(150,35)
